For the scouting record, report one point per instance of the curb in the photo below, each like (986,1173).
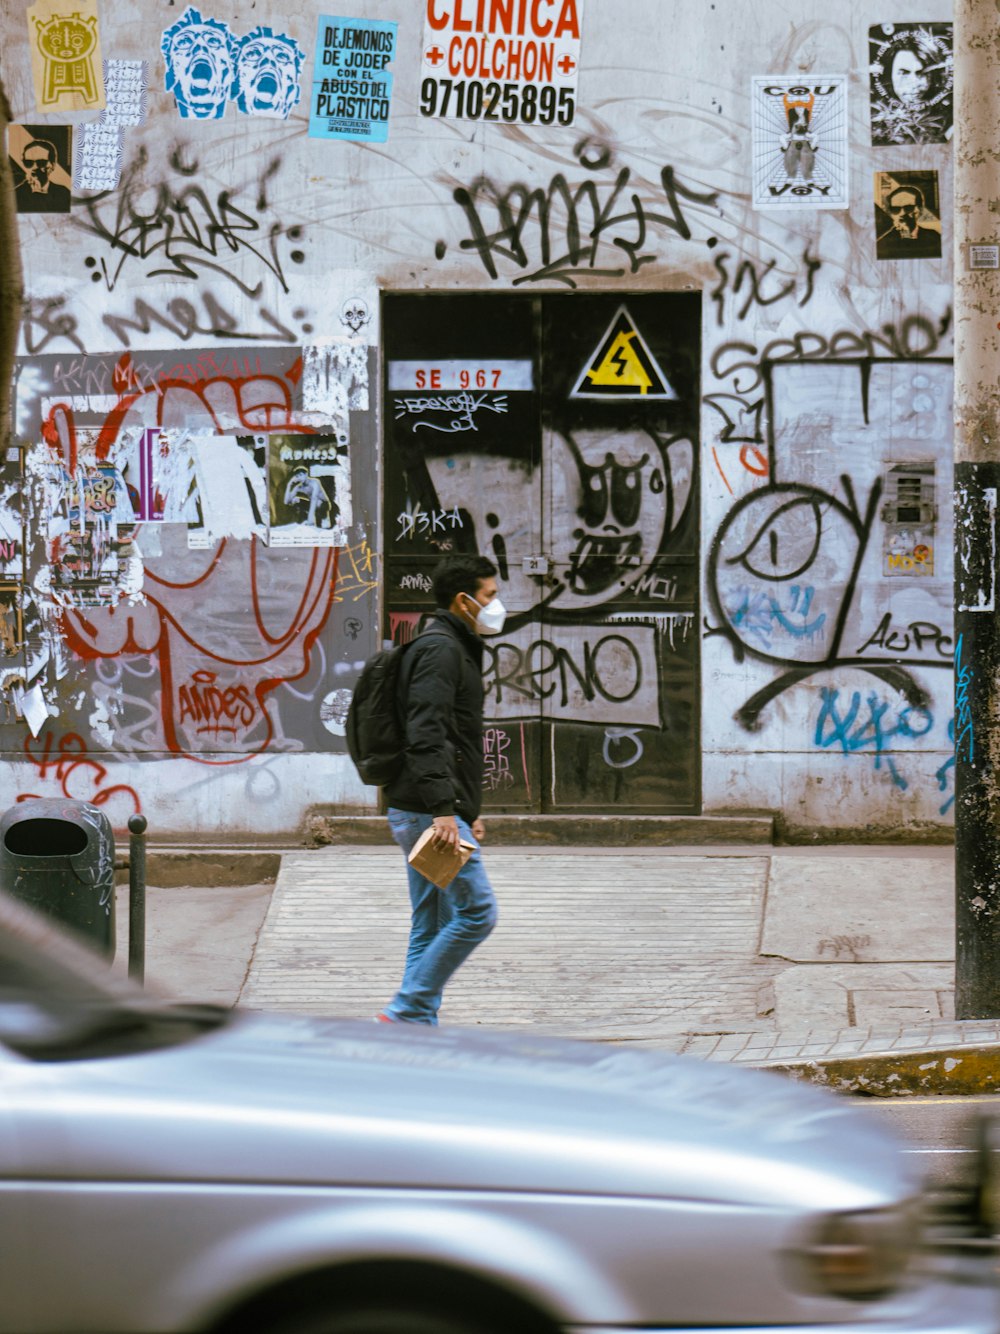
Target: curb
(945,1071)
(580,831)
(956,1058)
(216,868)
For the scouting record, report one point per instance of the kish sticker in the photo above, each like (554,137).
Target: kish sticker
(912,73)
(515,61)
(208,66)
(66,55)
(352,85)
(800,145)
(100,144)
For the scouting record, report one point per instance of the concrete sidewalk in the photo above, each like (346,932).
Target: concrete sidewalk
(833,963)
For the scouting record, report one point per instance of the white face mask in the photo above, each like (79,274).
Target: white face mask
(490,619)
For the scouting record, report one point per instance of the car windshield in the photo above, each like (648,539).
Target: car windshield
(58,1001)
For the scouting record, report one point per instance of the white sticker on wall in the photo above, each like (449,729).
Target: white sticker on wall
(501,62)
(800,142)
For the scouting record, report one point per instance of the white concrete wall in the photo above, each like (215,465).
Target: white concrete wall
(861,741)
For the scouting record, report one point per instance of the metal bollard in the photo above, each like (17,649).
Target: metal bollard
(137,898)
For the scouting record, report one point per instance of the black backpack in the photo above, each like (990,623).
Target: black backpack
(375,731)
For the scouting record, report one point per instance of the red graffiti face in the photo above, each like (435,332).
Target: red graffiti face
(239,623)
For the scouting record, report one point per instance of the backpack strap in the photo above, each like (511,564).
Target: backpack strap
(406,666)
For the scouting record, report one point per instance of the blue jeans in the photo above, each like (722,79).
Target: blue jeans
(446,925)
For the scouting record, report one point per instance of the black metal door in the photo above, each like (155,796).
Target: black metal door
(558,435)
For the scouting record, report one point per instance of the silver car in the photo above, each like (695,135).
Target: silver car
(171,1168)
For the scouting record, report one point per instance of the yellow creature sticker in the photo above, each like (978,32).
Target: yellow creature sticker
(66,55)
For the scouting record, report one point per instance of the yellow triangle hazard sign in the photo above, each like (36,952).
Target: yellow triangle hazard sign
(622,366)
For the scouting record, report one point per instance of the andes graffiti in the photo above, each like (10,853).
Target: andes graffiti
(218,649)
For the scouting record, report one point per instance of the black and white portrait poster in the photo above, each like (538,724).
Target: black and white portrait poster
(800,147)
(309,490)
(41,160)
(907,215)
(912,73)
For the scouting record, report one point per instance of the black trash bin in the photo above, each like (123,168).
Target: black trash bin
(58,856)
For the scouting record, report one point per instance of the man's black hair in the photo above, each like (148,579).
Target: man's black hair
(904,189)
(460,573)
(50,149)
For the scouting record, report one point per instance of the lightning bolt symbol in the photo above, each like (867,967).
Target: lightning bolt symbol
(619,357)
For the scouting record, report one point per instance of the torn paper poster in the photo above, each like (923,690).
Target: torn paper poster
(232,488)
(172,481)
(12,519)
(11,624)
(334,380)
(91,542)
(309,485)
(31,704)
(89,526)
(139,467)
(214,484)
(66,66)
(134,453)
(11,698)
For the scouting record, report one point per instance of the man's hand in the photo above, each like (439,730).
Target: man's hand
(478,830)
(446,831)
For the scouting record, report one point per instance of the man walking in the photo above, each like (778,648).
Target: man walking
(440,782)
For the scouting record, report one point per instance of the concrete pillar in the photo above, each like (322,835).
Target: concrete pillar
(11,289)
(977,484)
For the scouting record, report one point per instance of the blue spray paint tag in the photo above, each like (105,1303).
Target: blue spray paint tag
(352,86)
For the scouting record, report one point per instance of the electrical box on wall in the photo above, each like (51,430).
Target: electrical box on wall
(909,516)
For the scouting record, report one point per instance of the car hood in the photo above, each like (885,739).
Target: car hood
(297,1100)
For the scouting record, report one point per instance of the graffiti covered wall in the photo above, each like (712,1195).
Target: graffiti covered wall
(743,600)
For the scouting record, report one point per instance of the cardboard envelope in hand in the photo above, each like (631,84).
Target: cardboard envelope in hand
(439,863)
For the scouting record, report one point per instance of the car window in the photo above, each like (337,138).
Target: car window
(58,1001)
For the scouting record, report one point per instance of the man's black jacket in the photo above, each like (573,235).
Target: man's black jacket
(441,703)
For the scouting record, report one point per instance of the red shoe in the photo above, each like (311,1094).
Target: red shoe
(383,1018)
